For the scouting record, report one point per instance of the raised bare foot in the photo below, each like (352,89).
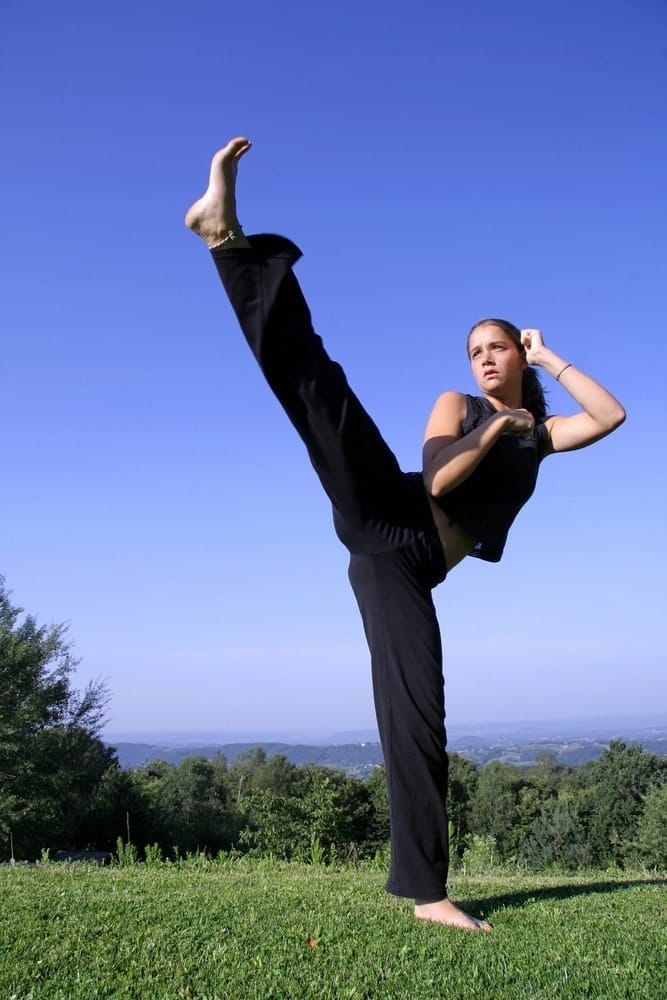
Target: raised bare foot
(213,216)
(444,912)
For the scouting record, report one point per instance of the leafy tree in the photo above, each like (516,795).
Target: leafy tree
(547,775)
(652,833)
(308,805)
(275,824)
(618,783)
(558,836)
(338,807)
(536,799)
(147,822)
(461,787)
(243,770)
(276,773)
(71,763)
(494,805)
(377,832)
(51,756)
(185,808)
(118,808)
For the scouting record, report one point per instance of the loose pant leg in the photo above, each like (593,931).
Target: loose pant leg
(358,471)
(382,516)
(406,657)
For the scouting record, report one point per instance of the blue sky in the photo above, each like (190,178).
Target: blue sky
(437,162)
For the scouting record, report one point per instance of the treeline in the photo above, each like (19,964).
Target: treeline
(612,811)
(61,788)
(609,812)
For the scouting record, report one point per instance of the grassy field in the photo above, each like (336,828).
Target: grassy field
(241,930)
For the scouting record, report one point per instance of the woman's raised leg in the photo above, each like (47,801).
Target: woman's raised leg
(357,469)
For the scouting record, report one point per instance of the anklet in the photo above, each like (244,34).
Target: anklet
(229,237)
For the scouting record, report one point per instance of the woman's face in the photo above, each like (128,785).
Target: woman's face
(496,361)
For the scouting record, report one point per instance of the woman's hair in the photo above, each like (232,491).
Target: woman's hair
(532,390)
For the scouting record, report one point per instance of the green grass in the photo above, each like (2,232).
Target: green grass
(248,930)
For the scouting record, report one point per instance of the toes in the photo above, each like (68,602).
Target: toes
(237,147)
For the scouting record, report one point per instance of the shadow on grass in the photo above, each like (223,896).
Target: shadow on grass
(514,900)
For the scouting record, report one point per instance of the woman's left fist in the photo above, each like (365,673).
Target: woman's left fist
(532,343)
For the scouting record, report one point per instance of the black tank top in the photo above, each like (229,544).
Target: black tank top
(486,503)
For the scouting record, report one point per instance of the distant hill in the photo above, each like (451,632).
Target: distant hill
(359,759)
(519,744)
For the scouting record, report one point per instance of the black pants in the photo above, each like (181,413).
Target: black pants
(382,516)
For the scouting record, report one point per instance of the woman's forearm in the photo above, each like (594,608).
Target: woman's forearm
(603,408)
(600,414)
(446,467)
(592,397)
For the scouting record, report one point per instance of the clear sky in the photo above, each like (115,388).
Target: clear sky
(437,162)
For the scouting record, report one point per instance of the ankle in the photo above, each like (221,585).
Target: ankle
(230,237)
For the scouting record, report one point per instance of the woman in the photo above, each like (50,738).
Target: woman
(404,531)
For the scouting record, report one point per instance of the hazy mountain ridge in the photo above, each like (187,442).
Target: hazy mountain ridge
(519,745)
(352,758)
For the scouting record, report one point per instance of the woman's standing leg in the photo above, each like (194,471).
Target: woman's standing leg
(408,687)
(393,591)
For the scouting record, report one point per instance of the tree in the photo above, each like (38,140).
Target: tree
(337,806)
(184,808)
(618,783)
(652,836)
(461,786)
(118,807)
(547,774)
(244,769)
(495,804)
(536,809)
(377,836)
(304,812)
(558,836)
(50,753)
(275,824)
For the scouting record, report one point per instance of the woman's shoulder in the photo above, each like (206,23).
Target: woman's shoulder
(449,406)
(477,410)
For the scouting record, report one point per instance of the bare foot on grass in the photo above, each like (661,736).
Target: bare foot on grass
(444,912)
(213,216)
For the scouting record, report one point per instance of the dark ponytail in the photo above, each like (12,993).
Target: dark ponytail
(532,395)
(532,390)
